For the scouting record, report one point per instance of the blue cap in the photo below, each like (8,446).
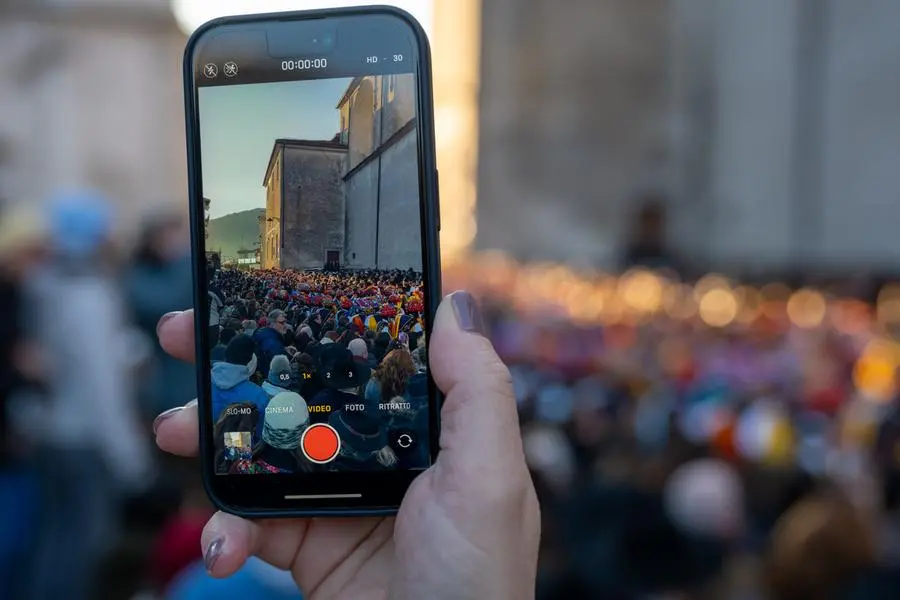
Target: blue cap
(80,222)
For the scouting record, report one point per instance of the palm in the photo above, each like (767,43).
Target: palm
(468,527)
(358,558)
(346,558)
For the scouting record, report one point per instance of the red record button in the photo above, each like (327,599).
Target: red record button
(320,443)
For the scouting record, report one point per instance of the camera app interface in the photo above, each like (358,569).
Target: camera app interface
(314,264)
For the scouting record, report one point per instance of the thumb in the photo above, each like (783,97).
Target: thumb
(479,419)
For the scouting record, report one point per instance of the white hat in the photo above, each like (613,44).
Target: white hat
(286,417)
(358,348)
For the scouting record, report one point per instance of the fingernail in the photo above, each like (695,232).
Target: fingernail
(164,318)
(165,415)
(213,552)
(468,316)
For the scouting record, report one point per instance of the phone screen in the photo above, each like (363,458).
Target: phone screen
(316,277)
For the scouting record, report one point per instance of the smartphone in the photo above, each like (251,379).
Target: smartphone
(314,198)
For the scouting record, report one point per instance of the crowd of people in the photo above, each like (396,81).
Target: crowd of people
(292,349)
(676,453)
(675,458)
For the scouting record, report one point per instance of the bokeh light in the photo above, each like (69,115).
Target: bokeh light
(718,307)
(875,372)
(641,291)
(806,308)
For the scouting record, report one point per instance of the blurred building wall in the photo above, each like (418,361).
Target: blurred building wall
(786,133)
(92,95)
(772,125)
(571,123)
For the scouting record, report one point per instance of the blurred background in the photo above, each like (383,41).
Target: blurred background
(681,215)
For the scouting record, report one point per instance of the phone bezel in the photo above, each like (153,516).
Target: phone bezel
(259,496)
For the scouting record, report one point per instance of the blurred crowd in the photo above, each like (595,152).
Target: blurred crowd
(690,437)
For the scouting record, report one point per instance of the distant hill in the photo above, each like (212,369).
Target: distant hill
(230,233)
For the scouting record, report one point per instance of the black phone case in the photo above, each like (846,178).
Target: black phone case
(428,193)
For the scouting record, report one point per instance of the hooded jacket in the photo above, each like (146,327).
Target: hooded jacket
(231,383)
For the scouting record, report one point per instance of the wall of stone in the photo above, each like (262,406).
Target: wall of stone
(788,135)
(75,112)
(313,214)
(361,193)
(400,229)
(571,125)
(399,101)
(385,231)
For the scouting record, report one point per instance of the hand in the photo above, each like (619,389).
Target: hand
(468,526)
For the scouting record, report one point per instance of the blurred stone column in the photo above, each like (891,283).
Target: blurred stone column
(571,124)
(455,49)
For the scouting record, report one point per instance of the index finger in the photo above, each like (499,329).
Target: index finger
(176,334)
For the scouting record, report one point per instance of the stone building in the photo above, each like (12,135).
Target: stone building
(772,127)
(92,96)
(353,200)
(383,228)
(304,222)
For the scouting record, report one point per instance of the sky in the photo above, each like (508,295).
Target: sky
(240,123)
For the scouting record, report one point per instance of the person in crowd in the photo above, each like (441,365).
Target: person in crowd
(225,336)
(159,282)
(248,327)
(304,378)
(93,452)
(341,376)
(231,378)
(216,308)
(286,418)
(24,245)
(279,378)
(389,381)
(364,438)
(390,392)
(380,346)
(269,339)
(240,417)
(360,351)
(648,245)
(818,547)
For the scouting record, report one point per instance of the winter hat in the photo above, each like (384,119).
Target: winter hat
(361,431)
(286,418)
(704,497)
(240,350)
(80,222)
(337,369)
(280,371)
(226,335)
(359,348)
